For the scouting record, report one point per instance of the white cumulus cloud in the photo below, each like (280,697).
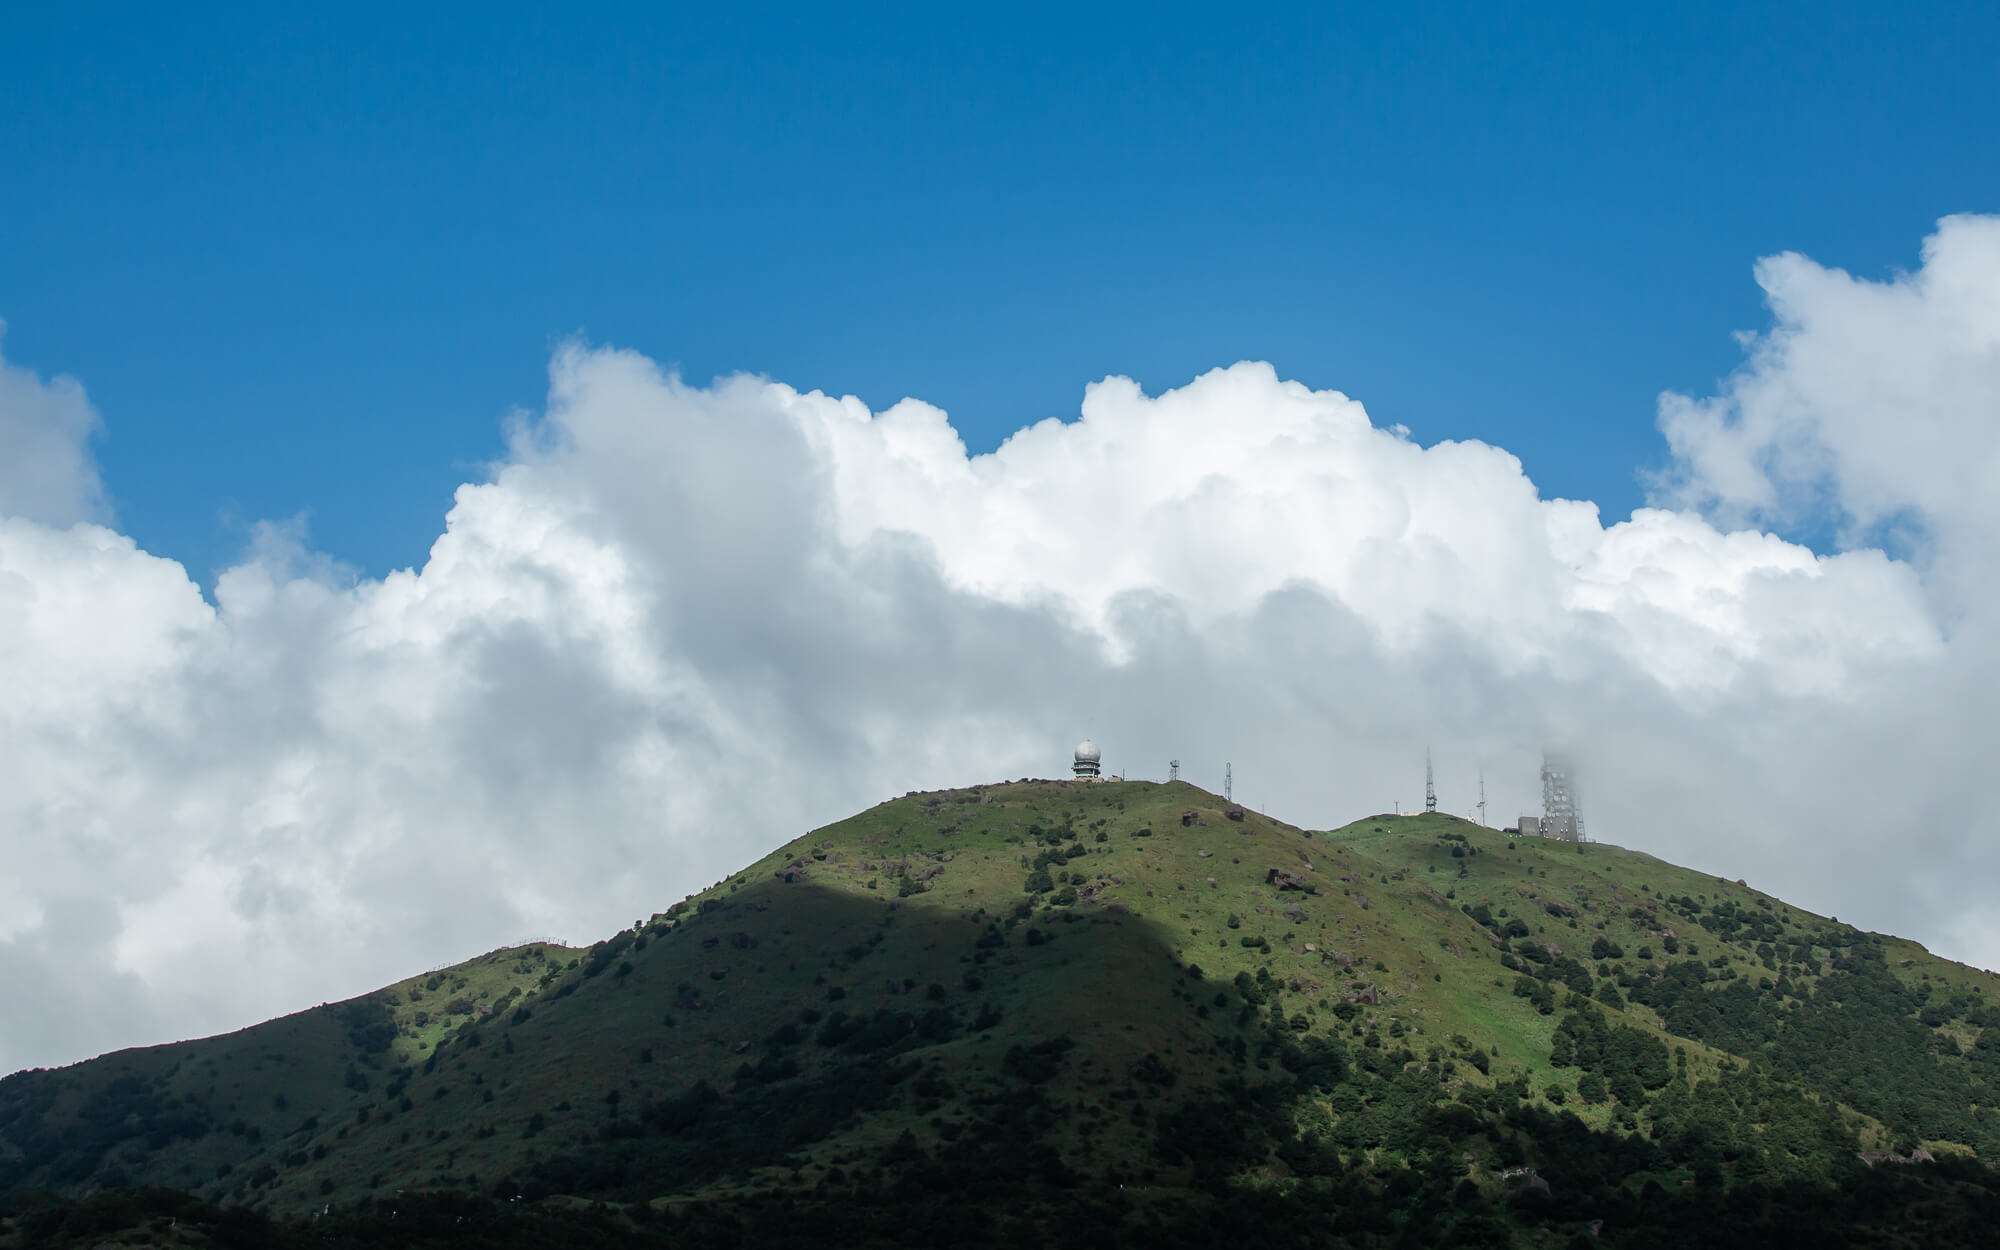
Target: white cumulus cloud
(46,472)
(676,625)
(1874,404)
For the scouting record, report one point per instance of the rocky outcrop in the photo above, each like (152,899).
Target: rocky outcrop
(1873,1157)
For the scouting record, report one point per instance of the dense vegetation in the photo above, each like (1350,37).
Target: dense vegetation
(1950,1204)
(1089,1014)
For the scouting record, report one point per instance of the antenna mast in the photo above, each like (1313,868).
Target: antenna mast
(1227,783)
(1430,790)
(1482,796)
(1173,770)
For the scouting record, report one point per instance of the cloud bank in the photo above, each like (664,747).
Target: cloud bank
(677,625)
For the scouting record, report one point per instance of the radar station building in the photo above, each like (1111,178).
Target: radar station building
(1085,766)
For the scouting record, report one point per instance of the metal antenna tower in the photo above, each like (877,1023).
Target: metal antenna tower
(1173,770)
(1561,816)
(1227,783)
(1430,790)
(1482,796)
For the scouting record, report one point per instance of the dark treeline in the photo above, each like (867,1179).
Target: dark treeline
(1940,1207)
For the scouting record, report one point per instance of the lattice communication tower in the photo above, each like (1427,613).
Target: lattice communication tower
(1562,818)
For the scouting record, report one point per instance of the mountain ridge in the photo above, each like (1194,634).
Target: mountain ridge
(1071,984)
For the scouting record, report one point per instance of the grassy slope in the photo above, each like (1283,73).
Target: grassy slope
(177,1113)
(584,1041)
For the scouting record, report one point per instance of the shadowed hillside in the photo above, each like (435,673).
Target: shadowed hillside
(1059,989)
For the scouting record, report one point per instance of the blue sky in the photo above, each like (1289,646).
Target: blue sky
(308,263)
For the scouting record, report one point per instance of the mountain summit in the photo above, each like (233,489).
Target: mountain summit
(1112,1006)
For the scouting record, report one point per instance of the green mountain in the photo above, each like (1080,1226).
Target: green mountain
(1109,1011)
